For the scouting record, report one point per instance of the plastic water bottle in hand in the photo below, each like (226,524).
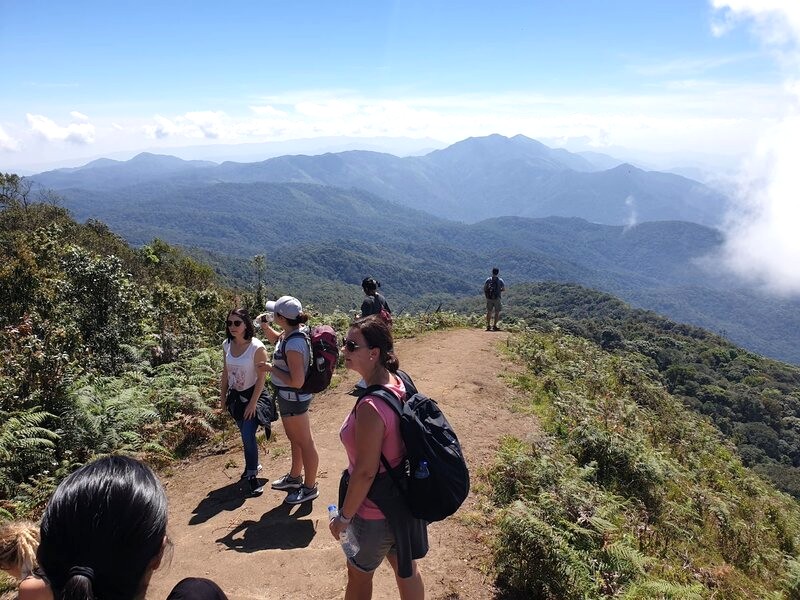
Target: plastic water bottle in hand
(347,537)
(266,317)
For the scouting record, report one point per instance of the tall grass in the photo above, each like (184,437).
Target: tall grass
(629,494)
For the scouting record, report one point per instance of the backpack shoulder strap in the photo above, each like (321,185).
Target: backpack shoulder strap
(411,389)
(385,395)
(382,302)
(307,336)
(390,399)
(297,333)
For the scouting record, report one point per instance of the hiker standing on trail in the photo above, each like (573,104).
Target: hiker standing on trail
(492,289)
(288,369)
(374,303)
(240,386)
(370,430)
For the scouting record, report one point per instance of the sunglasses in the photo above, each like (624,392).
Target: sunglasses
(350,345)
(235,323)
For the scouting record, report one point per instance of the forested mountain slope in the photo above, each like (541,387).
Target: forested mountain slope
(316,238)
(752,400)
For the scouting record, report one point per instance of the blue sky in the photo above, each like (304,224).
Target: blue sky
(86,79)
(678,81)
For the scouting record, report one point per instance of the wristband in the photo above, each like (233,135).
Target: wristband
(344,519)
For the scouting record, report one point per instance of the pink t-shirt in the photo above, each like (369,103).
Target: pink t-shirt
(392,448)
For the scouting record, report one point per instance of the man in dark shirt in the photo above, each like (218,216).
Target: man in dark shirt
(374,301)
(493,287)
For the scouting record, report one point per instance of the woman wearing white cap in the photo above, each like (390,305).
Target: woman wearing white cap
(288,369)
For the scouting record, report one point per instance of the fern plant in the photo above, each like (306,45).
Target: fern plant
(25,446)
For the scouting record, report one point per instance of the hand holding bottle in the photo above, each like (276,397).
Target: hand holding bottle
(347,536)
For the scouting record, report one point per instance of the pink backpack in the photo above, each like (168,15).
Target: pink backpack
(323,357)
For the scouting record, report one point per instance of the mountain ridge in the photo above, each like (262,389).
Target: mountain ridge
(424,260)
(470,180)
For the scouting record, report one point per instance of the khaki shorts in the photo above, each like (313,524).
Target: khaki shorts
(493,304)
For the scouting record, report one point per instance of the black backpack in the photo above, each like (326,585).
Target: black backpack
(491,288)
(428,437)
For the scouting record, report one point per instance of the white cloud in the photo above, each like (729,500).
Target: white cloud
(776,21)
(712,117)
(212,124)
(690,66)
(330,109)
(80,117)
(192,125)
(762,244)
(267,111)
(672,117)
(163,128)
(75,133)
(7,143)
(633,217)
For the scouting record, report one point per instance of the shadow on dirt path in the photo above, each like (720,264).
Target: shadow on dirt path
(262,548)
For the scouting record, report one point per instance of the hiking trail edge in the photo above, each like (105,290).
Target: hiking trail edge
(259,547)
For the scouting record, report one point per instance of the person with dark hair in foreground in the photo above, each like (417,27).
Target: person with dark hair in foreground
(104,531)
(196,588)
(103,534)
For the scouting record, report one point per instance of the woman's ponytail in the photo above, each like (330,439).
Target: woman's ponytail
(79,584)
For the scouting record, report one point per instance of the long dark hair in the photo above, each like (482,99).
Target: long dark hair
(378,335)
(249,328)
(102,529)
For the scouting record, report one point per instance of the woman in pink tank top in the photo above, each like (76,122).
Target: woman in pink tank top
(370,430)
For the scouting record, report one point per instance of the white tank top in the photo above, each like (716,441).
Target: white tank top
(242,373)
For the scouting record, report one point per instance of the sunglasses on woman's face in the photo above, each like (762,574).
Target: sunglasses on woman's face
(234,323)
(350,345)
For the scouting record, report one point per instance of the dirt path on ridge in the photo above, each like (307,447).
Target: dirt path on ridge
(262,548)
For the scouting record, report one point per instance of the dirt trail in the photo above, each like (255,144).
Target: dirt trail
(263,548)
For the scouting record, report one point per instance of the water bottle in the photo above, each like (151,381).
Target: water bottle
(422,470)
(347,537)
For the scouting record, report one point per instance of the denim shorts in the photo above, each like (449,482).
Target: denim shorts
(292,408)
(375,540)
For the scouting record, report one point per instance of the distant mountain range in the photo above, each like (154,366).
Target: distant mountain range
(471,180)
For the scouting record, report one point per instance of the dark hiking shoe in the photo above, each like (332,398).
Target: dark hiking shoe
(256,488)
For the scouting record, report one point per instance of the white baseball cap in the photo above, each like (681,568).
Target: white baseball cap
(288,307)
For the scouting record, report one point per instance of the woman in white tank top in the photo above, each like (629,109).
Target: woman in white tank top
(241,384)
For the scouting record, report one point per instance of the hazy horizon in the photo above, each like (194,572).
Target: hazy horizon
(684,78)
